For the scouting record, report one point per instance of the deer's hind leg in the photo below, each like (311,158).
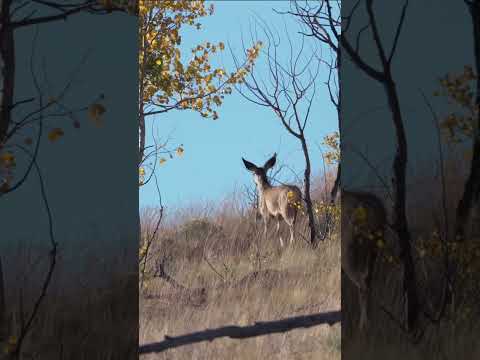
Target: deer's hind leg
(290,219)
(265,226)
(279,219)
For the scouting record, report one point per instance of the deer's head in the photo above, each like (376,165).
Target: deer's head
(260,173)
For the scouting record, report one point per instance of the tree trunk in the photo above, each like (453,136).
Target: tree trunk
(336,184)
(400,222)
(7,53)
(308,199)
(3,313)
(471,193)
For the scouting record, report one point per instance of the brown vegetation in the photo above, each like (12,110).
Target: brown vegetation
(220,271)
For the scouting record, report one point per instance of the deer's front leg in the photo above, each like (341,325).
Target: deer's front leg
(265,217)
(265,225)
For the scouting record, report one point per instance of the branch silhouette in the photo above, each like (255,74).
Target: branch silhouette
(243,332)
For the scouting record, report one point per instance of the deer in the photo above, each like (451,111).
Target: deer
(277,202)
(363,218)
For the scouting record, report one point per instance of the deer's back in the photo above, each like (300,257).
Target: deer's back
(278,198)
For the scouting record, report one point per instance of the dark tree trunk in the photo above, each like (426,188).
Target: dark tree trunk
(7,53)
(308,199)
(3,313)
(336,184)
(471,193)
(400,223)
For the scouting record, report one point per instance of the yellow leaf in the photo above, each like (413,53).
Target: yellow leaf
(95,111)
(55,134)
(162,161)
(199,103)
(7,159)
(360,214)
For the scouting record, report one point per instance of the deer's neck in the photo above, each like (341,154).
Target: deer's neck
(262,186)
(261,196)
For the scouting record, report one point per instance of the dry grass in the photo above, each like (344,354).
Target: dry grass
(89,311)
(247,279)
(454,336)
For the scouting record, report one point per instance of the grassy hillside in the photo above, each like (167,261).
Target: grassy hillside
(226,273)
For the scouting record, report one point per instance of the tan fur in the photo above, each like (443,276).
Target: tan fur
(275,202)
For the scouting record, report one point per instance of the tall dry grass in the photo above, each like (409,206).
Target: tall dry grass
(246,278)
(90,310)
(432,200)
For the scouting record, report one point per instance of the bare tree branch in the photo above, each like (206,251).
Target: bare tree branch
(289,91)
(399,29)
(53,260)
(64,11)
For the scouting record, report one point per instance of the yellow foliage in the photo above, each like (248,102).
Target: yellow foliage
(333,142)
(174,81)
(459,89)
(360,214)
(55,134)
(95,112)
(7,159)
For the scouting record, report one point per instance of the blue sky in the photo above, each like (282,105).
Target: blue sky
(211,166)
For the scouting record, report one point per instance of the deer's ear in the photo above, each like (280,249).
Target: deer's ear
(250,166)
(271,162)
